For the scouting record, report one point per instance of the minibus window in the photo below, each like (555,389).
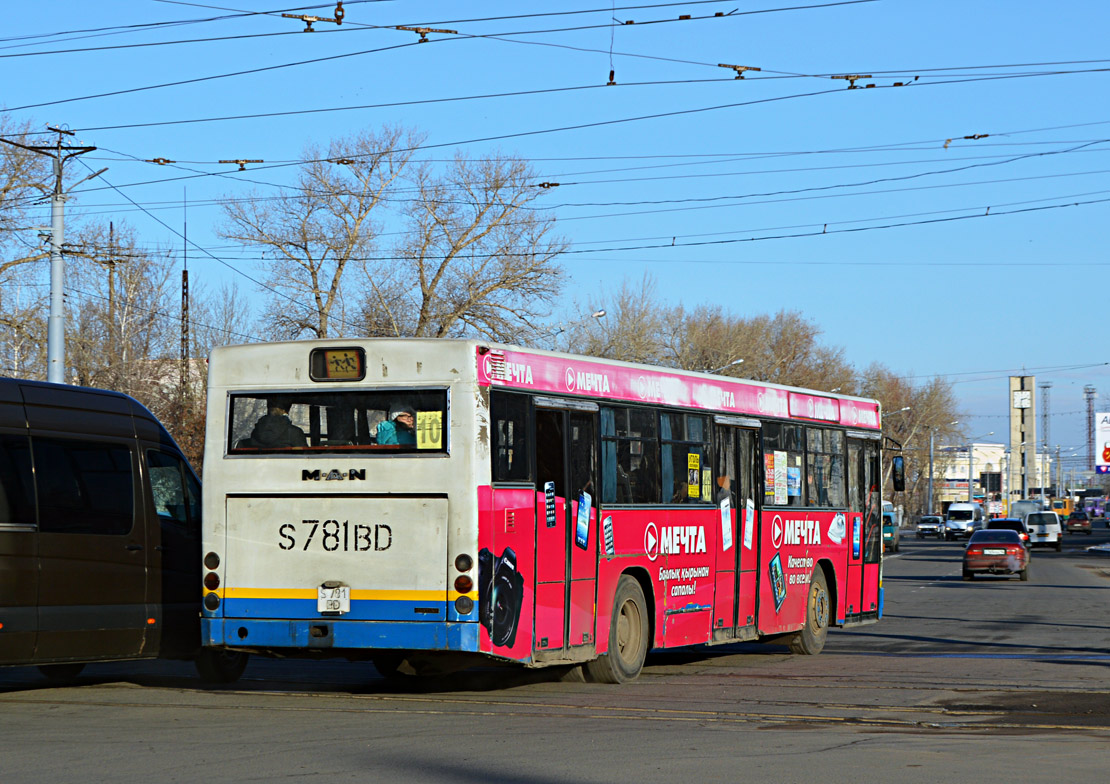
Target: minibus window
(84,487)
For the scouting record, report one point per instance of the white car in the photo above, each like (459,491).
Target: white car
(1045,529)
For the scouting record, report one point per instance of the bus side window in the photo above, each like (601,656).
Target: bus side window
(17,494)
(509,424)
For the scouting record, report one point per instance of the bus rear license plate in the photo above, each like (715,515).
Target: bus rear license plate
(994,551)
(333,600)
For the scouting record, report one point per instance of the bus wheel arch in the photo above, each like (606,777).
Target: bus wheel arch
(819,612)
(219,665)
(630,635)
(830,583)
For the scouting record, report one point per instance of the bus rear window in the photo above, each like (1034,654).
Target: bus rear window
(400,421)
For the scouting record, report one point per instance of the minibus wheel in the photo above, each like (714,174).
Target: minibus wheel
(220,666)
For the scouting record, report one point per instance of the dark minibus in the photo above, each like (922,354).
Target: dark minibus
(99,534)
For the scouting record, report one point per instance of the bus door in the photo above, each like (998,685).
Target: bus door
(92,549)
(566,528)
(863,527)
(739,496)
(872,528)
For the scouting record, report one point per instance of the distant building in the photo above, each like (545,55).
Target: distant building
(989,476)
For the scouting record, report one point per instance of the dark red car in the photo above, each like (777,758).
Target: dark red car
(996,552)
(1009,523)
(1079,521)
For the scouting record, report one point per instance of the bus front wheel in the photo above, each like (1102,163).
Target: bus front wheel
(628,636)
(220,666)
(811,639)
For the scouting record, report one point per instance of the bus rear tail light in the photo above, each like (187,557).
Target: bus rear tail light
(463,584)
(464,563)
(211,581)
(464,605)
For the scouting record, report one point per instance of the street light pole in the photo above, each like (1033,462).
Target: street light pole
(733,363)
(970,458)
(929,503)
(932,434)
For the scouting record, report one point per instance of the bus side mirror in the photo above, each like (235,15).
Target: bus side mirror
(898,472)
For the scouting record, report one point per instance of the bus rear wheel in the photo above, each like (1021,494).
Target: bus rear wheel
(811,639)
(220,666)
(628,636)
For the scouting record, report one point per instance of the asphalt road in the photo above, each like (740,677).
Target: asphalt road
(983,681)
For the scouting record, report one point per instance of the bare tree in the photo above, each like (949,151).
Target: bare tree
(120,325)
(912,413)
(25,177)
(476,257)
(22,326)
(708,339)
(313,232)
(218,318)
(631,329)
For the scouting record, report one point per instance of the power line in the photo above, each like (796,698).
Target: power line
(814,232)
(522,134)
(257,282)
(352,26)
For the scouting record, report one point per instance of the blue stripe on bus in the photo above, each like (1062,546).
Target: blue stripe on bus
(361,610)
(246,633)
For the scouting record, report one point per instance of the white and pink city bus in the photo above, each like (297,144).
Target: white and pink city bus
(409,501)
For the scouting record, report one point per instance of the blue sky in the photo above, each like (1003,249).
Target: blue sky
(784,190)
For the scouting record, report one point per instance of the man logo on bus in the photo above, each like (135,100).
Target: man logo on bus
(333,475)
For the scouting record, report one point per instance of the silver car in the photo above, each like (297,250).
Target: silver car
(930,525)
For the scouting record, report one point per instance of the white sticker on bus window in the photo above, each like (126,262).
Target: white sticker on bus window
(549,502)
(780,479)
(582,524)
(749,523)
(607,531)
(726,524)
(429,429)
(693,481)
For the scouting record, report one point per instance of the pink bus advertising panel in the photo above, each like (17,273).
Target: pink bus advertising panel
(566,376)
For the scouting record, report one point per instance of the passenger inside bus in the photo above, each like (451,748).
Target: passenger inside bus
(275,430)
(398,428)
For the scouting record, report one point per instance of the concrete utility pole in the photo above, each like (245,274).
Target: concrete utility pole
(1089,393)
(55,330)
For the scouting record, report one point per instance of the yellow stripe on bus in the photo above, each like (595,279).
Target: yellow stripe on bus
(356,594)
